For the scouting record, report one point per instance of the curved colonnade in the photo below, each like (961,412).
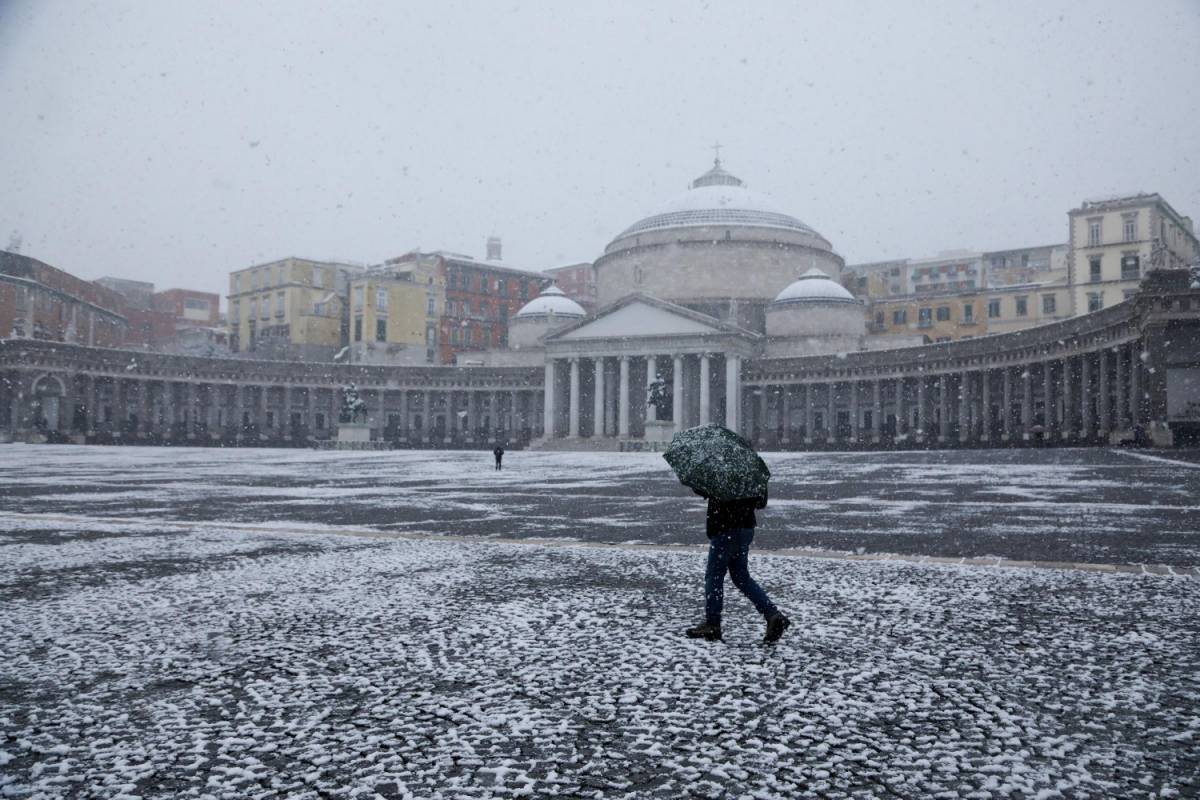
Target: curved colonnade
(1094,379)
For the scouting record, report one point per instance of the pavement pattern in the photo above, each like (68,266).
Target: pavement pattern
(1058,505)
(209,663)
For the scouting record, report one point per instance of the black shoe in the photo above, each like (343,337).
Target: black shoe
(709,633)
(776,625)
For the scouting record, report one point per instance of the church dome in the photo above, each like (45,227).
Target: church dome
(717,198)
(814,286)
(554,301)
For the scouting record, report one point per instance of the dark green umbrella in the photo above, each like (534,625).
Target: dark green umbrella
(717,462)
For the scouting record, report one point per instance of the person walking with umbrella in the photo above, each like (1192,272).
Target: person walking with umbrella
(499,455)
(723,468)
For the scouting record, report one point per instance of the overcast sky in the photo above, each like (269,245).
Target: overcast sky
(175,141)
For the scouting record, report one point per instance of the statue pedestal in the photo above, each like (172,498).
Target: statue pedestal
(353,433)
(658,430)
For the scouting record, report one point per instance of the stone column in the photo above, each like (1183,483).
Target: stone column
(922,410)
(706,392)
(170,412)
(733,391)
(1065,427)
(145,423)
(1085,396)
(1048,417)
(808,413)
(785,414)
(514,416)
(310,411)
(287,410)
(1135,389)
(943,408)
(598,430)
(651,376)
(831,410)
(677,392)
(496,419)
(1006,398)
(427,422)
(239,409)
(1027,402)
(902,426)
(761,411)
(548,400)
(985,405)
(876,409)
(1103,396)
(855,412)
(573,408)
(964,407)
(405,421)
(623,399)
(1119,392)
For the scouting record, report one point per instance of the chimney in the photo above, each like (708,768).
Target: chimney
(493,248)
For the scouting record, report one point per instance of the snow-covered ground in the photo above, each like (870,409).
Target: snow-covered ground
(139,660)
(1052,505)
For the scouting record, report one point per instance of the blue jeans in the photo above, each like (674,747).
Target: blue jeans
(730,552)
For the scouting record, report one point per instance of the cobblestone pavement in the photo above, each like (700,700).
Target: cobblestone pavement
(143,662)
(1104,506)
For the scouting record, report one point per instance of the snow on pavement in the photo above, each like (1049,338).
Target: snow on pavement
(228,664)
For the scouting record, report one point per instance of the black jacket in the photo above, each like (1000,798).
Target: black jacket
(730,516)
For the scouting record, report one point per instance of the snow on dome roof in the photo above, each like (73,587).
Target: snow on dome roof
(552,300)
(717,198)
(814,286)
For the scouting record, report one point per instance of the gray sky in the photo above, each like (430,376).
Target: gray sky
(173,142)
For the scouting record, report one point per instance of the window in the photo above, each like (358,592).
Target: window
(879,318)
(1024,259)
(235,311)
(1095,301)
(254,280)
(1131,229)
(943,313)
(381,300)
(264,308)
(359,294)
(502,287)
(381,330)
(195,304)
(320,421)
(484,284)
(941,339)
(1094,232)
(1022,306)
(924,317)
(318,277)
(1094,269)
(454,336)
(968,313)
(237,283)
(900,317)
(253,307)
(1131,268)
(279,304)
(429,309)
(358,329)
(524,291)
(993,308)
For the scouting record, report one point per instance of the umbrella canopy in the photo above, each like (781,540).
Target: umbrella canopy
(717,462)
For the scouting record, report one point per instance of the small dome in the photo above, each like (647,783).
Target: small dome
(554,301)
(814,286)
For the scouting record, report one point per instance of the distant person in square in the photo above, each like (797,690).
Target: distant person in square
(730,528)
(499,454)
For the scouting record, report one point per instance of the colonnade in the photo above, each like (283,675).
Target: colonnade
(606,396)
(1081,397)
(146,409)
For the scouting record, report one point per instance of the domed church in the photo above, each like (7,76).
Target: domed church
(713,277)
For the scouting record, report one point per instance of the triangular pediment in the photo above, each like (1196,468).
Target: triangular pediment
(642,318)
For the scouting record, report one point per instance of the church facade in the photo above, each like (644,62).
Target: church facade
(717,307)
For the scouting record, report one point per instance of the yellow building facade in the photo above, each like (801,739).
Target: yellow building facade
(393,314)
(1116,241)
(293,308)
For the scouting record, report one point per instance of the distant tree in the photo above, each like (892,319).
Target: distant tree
(15,241)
